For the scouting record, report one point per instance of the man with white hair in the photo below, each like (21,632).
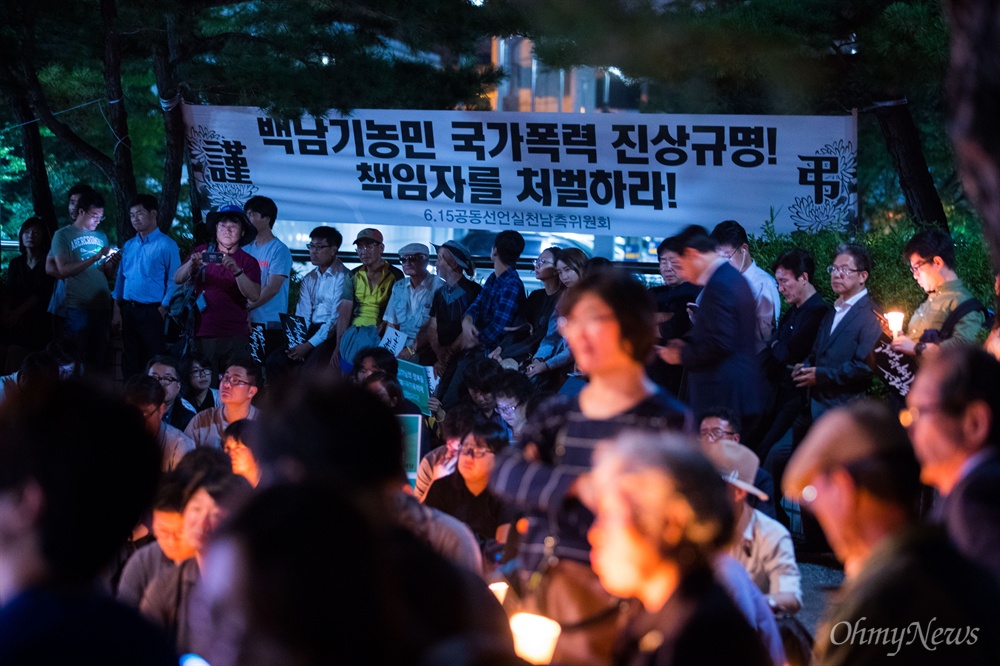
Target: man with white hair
(409,307)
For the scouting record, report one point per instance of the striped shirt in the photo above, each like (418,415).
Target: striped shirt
(566,440)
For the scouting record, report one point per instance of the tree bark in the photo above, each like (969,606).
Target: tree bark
(974,93)
(164,55)
(34,161)
(903,143)
(123,180)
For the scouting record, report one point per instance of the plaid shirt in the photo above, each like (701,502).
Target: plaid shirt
(496,306)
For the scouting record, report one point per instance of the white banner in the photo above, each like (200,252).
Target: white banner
(620,174)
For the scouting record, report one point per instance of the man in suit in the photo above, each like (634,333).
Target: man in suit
(719,356)
(841,363)
(952,415)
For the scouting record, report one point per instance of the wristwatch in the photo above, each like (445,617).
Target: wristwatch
(919,348)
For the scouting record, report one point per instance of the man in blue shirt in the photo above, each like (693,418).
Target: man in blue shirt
(144,286)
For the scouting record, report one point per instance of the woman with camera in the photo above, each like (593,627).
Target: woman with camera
(225,278)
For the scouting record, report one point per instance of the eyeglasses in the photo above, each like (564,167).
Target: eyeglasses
(164,379)
(909,415)
(567,324)
(474,451)
(96,216)
(543,262)
(841,270)
(411,258)
(506,409)
(367,247)
(201,372)
(715,434)
(314,246)
(915,268)
(149,412)
(232,381)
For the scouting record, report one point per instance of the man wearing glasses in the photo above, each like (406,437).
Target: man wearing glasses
(164,370)
(237,387)
(950,315)
(325,296)
(82,258)
(840,366)
(409,307)
(372,284)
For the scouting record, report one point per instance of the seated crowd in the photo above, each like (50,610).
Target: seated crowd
(629,461)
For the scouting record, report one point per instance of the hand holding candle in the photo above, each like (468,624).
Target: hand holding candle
(895,320)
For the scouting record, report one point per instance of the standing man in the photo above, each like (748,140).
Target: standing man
(325,293)
(144,286)
(409,307)
(788,411)
(57,304)
(81,256)
(372,283)
(275,261)
(733,245)
(719,359)
(841,360)
(953,416)
(949,310)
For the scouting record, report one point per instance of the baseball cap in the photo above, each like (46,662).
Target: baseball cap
(369,234)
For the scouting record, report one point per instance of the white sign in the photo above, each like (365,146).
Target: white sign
(620,174)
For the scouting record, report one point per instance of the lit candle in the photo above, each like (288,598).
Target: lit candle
(534,637)
(500,590)
(895,320)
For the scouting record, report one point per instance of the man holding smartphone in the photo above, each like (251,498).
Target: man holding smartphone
(82,258)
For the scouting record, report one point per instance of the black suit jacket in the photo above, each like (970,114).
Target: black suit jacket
(843,358)
(972,514)
(720,358)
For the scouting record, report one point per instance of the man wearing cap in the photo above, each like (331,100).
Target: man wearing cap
(953,418)
(275,262)
(907,588)
(226,278)
(409,307)
(763,545)
(451,300)
(372,282)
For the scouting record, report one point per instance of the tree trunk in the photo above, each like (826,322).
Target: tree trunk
(974,92)
(173,123)
(903,143)
(123,181)
(34,160)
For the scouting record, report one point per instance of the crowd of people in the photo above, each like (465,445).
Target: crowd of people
(628,460)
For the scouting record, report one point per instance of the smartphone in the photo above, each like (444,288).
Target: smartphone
(211,257)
